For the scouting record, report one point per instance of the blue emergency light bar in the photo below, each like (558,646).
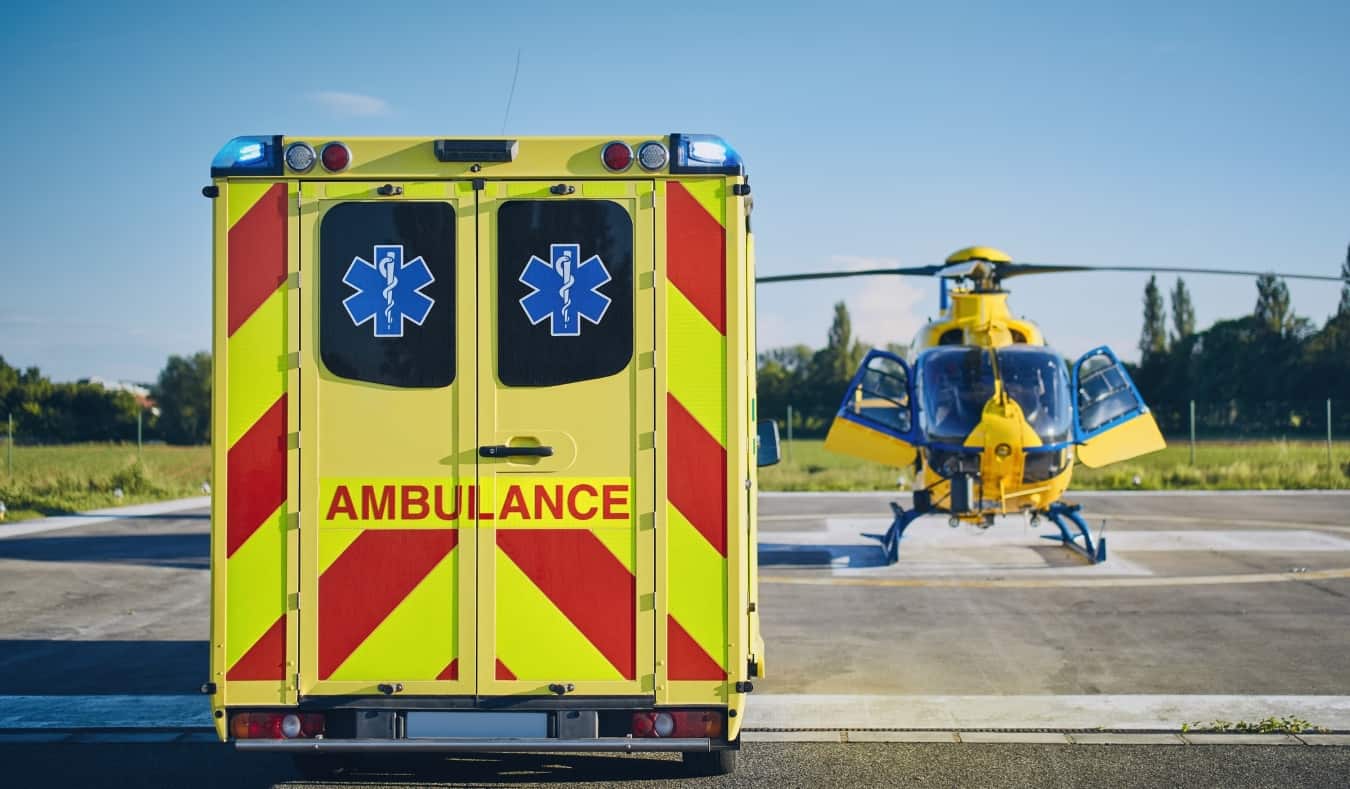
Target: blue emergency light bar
(704,153)
(251,155)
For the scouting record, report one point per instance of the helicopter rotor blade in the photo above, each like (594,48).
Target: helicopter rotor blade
(912,271)
(1017,269)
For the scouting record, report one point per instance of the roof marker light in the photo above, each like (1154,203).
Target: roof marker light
(616,156)
(300,157)
(251,155)
(704,153)
(335,157)
(652,155)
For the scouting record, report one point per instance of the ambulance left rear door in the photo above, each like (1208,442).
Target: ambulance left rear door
(386,439)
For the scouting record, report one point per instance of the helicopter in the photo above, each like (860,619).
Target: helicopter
(990,418)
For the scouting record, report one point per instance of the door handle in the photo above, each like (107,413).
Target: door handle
(504,451)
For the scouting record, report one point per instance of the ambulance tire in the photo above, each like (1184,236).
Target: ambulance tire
(320,766)
(703,763)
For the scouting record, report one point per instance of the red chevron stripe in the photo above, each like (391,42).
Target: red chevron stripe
(266,659)
(255,476)
(368,581)
(256,255)
(451,671)
(688,660)
(504,673)
(696,471)
(696,254)
(584,580)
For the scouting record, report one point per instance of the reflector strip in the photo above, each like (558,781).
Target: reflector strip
(697,470)
(366,583)
(504,673)
(696,254)
(257,476)
(266,659)
(256,253)
(688,660)
(450,672)
(588,585)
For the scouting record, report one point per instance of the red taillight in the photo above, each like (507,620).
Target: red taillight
(678,723)
(617,157)
(335,157)
(275,725)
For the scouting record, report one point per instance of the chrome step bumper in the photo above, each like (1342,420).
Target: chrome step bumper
(480,745)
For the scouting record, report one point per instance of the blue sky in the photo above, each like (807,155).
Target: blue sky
(1167,133)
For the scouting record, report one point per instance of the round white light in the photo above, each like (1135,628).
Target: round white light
(290,726)
(652,155)
(300,157)
(664,725)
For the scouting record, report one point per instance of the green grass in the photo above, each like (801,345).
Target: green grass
(56,480)
(1252,465)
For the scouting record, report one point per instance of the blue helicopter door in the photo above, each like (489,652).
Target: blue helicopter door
(876,420)
(1111,421)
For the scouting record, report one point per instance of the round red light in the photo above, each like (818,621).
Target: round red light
(335,157)
(617,157)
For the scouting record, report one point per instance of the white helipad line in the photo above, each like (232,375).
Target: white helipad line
(104,712)
(1123,712)
(101,516)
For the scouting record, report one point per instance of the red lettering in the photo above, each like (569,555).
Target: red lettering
(541,500)
(440,503)
(572,503)
(342,504)
(614,496)
(415,506)
(482,516)
(377,509)
(515,504)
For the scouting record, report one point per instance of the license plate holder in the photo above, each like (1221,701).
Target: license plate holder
(425,725)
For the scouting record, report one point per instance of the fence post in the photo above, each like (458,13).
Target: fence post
(1192,432)
(789,432)
(140,413)
(9,445)
(1329,461)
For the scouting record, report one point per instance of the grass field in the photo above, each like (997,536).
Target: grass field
(1255,465)
(54,480)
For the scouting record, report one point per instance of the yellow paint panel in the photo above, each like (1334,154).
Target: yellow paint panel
(333,543)
(257,365)
(711,194)
(418,638)
(850,438)
(1139,436)
(534,639)
(698,369)
(698,584)
(243,195)
(255,586)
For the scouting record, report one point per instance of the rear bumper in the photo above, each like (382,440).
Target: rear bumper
(481,744)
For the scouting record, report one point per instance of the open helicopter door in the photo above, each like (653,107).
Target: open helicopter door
(876,420)
(1111,421)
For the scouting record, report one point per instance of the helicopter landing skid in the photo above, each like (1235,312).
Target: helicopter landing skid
(890,541)
(1082,541)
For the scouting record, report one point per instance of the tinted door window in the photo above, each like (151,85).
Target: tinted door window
(387,293)
(565,291)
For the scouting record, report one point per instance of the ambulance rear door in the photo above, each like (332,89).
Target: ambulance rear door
(566,458)
(387,438)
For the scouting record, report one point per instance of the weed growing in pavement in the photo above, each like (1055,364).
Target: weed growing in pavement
(1271,725)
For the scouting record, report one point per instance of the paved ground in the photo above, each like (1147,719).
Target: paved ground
(1224,603)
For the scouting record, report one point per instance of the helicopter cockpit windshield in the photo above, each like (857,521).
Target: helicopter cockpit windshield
(957,381)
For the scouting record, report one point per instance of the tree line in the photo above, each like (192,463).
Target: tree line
(177,411)
(1268,373)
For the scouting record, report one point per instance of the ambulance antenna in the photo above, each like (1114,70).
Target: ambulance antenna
(512,94)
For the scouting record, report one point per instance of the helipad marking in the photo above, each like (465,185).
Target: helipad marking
(1060,583)
(795,712)
(101,516)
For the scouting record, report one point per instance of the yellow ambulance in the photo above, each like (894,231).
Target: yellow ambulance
(484,446)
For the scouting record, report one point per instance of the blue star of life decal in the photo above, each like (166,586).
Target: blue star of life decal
(388,290)
(565,291)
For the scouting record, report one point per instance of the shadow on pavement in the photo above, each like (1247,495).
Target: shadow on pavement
(209,765)
(44,667)
(183,551)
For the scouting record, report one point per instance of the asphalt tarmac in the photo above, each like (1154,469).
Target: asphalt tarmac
(1207,604)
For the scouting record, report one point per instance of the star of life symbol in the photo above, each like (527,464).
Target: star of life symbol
(565,290)
(388,290)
